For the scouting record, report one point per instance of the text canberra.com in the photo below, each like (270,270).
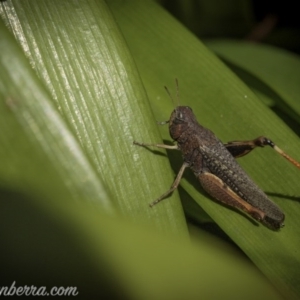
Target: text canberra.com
(32,290)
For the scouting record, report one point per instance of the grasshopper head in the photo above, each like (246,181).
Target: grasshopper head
(181,119)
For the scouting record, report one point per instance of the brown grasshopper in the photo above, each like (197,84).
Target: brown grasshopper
(215,166)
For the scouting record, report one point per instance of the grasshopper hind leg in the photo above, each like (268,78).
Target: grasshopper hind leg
(241,148)
(215,187)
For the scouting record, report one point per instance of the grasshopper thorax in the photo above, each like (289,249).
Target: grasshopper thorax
(181,119)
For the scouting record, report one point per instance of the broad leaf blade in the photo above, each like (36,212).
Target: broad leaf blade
(277,69)
(39,155)
(230,109)
(85,64)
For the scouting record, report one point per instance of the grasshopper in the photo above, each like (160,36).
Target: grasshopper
(214,164)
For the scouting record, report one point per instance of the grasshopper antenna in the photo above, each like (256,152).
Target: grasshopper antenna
(177,97)
(170,96)
(177,91)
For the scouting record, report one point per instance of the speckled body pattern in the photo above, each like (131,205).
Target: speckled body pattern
(205,154)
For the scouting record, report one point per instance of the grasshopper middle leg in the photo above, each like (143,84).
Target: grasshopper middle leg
(176,182)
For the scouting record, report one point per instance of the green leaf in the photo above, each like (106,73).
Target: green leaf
(229,108)
(277,80)
(91,84)
(95,87)
(109,258)
(39,155)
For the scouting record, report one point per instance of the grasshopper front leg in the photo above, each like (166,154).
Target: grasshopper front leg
(172,147)
(241,148)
